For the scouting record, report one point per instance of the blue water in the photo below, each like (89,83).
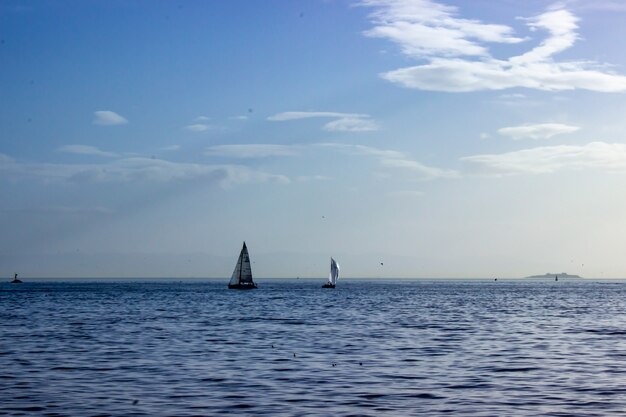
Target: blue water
(397,348)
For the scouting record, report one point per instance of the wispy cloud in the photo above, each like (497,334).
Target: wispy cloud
(241,117)
(170,148)
(549,159)
(351,124)
(86,150)
(516,100)
(389,160)
(345,122)
(423,171)
(537,131)
(198,127)
(252,150)
(514,96)
(136,170)
(395,160)
(202,119)
(431,31)
(364,150)
(296,115)
(108,118)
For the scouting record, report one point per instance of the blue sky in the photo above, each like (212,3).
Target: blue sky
(439,138)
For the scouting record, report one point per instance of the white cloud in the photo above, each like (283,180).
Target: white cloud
(388,159)
(364,150)
(350,124)
(345,122)
(108,118)
(268,150)
(456,75)
(86,150)
(537,131)
(518,100)
(296,115)
(238,174)
(514,96)
(549,159)
(251,150)
(424,172)
(427,30)
(199,127)
(561,25)
(242,117)
(202,119)
(132,170)
(136,169)
(394,160)
(157,170)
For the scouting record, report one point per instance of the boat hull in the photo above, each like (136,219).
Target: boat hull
(242,286)
(328,286)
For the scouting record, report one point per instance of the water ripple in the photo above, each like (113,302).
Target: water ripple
(291,349)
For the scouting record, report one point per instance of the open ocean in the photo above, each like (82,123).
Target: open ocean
(291,348)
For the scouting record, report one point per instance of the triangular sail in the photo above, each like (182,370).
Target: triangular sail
(243,271)
(334,272)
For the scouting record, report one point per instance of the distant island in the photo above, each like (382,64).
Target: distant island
(549,275)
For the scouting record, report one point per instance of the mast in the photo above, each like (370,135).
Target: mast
(241,260)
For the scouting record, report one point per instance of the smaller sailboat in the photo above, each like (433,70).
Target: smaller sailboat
(334,274)
(242,275)
(15,280)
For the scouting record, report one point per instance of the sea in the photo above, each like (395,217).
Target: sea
(291,348)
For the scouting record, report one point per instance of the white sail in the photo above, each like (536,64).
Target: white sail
(334,272)
(243,271)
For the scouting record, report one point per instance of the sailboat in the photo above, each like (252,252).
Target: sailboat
(334,274)
(242,275)
(15,280)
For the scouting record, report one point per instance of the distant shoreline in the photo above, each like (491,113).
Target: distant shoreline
(561,275)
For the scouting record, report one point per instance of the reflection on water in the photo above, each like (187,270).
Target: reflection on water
(291,348)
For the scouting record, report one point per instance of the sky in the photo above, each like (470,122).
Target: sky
(404,138)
